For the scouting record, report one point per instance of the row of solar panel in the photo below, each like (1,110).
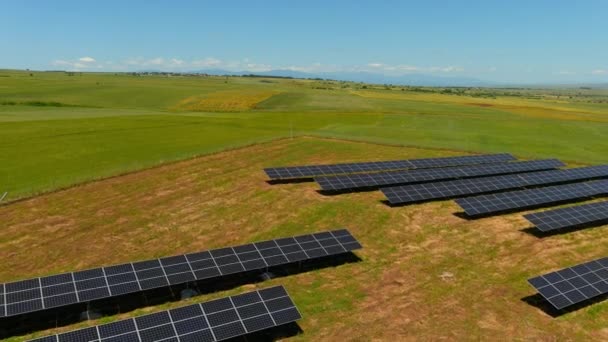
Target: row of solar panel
(458,188)
(573,285)
(562,288)
(216,320)
(481,205)
(84,286)
(522,199)
(550,220)
(296,172)
(376,180)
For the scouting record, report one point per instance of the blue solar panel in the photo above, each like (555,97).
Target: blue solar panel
(555,219)
(376,180)
(295,172)
(463,187)
(574,284)
(217,320)
(44,293)
(522,199)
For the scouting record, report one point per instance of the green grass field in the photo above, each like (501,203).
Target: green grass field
(57,130)
(426,273)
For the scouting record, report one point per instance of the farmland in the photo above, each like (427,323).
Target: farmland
(110,168)
(58,130)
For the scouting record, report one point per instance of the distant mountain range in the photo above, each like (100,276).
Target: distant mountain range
(366,77)
(424,80)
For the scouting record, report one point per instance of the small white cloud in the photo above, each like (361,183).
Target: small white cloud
(600,72)
(207,62)
(156,61)
(408,68)
(60,62)
(176,62)
(257,67)
(245,64)
(79,64)
(446,69)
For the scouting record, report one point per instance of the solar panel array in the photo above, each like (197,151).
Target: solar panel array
(573,285)
(216,320)
(569,217)
(496,203)
(439,190)
(69,288)
(374,180)
(294,172)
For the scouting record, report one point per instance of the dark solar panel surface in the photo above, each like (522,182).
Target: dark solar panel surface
(573,285)
(506,201)
(294,172)
(83,286)
(216,320)
(569,217)
(463,187)
(375,180)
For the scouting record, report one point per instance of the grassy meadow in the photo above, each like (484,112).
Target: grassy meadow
(58,129)
(153,166)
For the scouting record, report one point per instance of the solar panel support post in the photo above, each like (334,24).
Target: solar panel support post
(3,196)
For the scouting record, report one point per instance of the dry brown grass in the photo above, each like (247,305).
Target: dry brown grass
(224,101)
(426,274)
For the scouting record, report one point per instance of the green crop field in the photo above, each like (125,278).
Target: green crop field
(59,129)
(152,166)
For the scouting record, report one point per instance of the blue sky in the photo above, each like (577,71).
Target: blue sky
(534,41)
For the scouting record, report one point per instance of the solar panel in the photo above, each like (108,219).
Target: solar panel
(496,203)
(569,217)
(573,285)
(216,320)
(83,286)
(295,172)
(375,180)
(462,187)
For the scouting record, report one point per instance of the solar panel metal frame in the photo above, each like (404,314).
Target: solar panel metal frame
(458,188)
(561,218)
(573,285)
(38,294)
(522,199)
(216,320)
(375,180)
(310,171)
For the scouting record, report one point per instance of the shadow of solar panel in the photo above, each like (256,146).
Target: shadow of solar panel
(522,199)
(573,285)
(39,294)
(295,172)
(375,180)
(550,220)
(217,320)
(458,188)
